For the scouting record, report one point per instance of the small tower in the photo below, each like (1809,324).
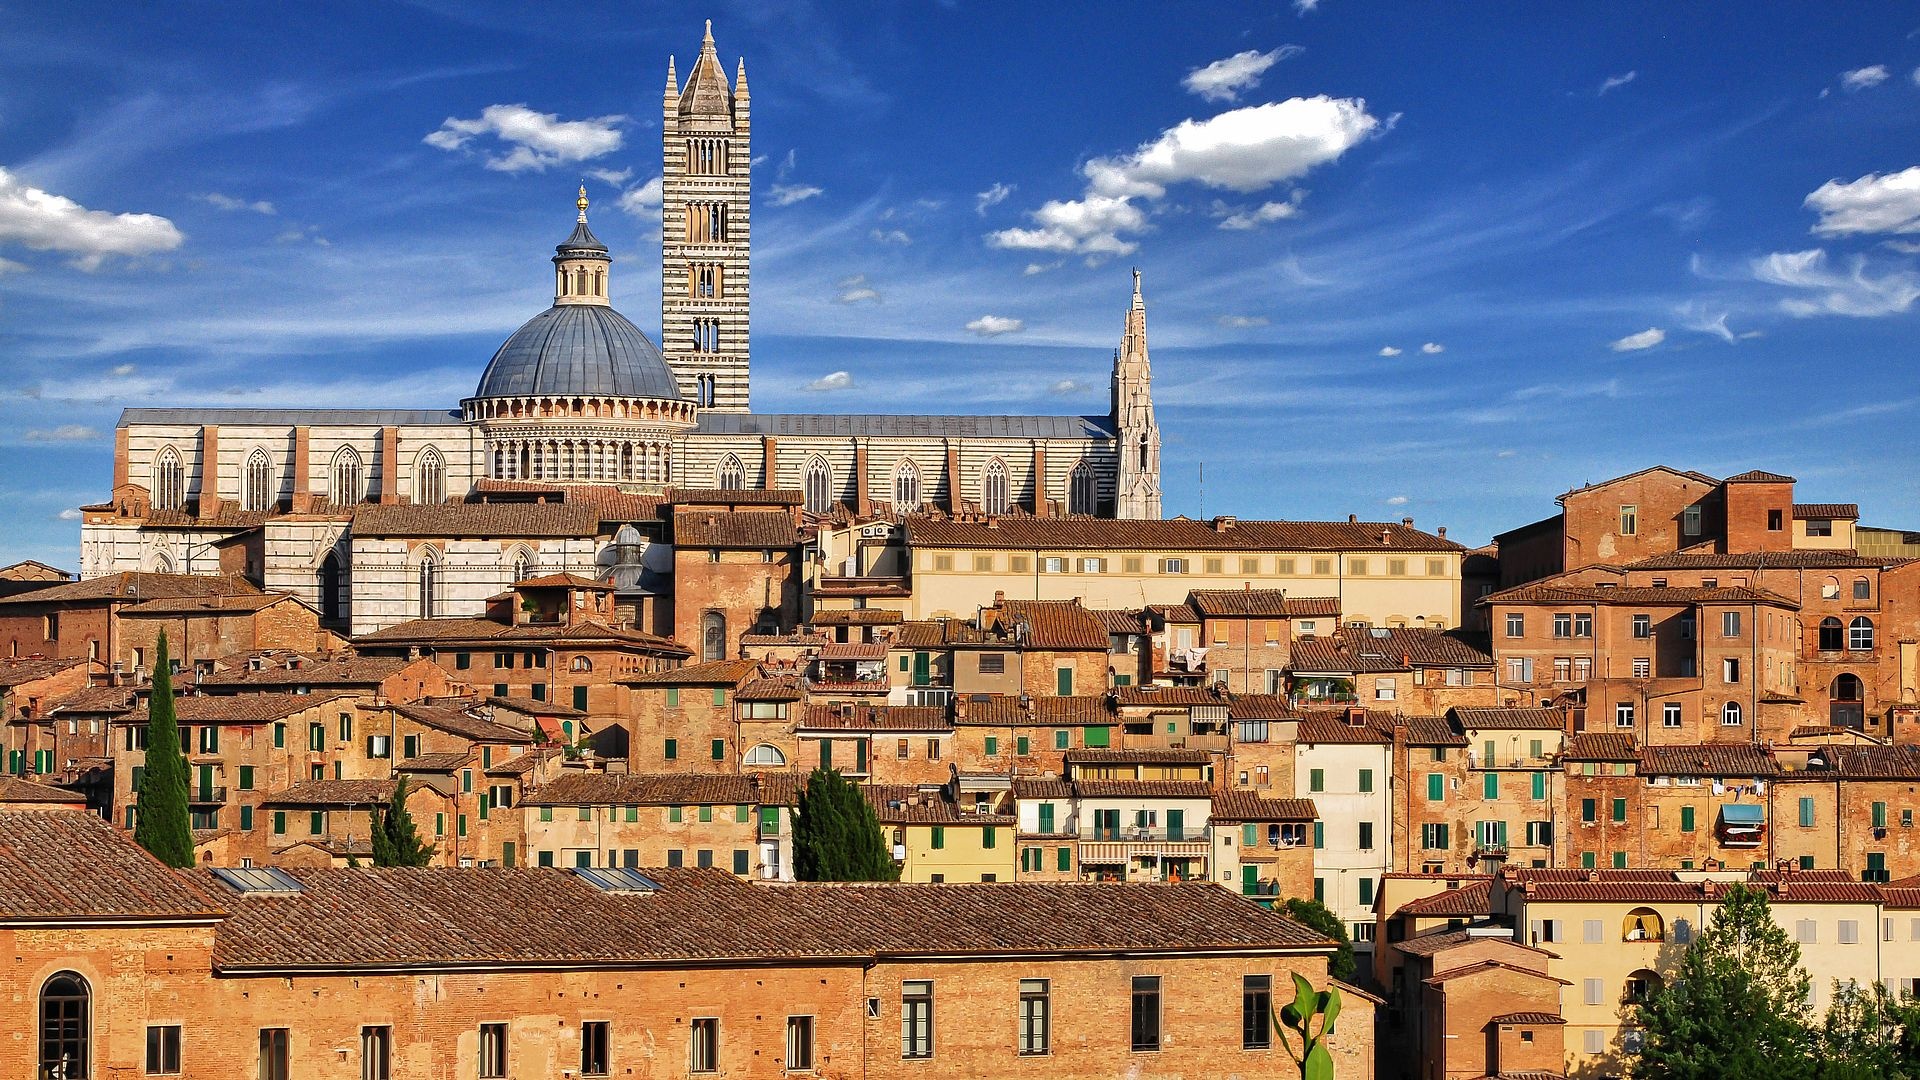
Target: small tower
(1137,481)
(581,263)
(706,188)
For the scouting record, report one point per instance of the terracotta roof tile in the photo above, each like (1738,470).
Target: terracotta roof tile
(209,605)
(853,650)
(1636,595)
(1041,787)
(1004,710)
(1863,763)
(1510,719)
(511,520)
(1142,789)
(1707,759)
(856,617)
(333,793)
(459,719)
(733,529)
(1055,624)
(526,706)
(236,708)
(1826,511)
(711,673)
(363,672)
(563,581)
(1261,603)
(1761,560)
(1530,1018)
(1759,476)
(1376,649)
(1238,805)
(682,496)
(917,718)
(1167,756)
(1154,694)
(97,699)
(1472,899)
(15,789)
(1120,620)
(773,688)
(1432,731)
(1601,746)
(1439,940)
(1171,535)
(645,789)
(1333,727)
(130,586)
(20,672)
(436,763)
(63,864)
(906,804)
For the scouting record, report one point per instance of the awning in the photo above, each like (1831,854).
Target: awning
(1743,814)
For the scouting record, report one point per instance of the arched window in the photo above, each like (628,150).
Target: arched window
(1640,985)
(1730,714)
(993,488)
(1846,687)
(329,582)
(906,487)
(169,481)
(429,477)
(766,755)
(522,566)
(256,490)
(580,663)
(1832,634)
(162,563)
(1860,634)
(1830,589)
(66,1027)
(1143,453)
(1082,490)
(1862,589)
(713,636)
(349,486)
(1643,924)
(819,485)
(731,475)
(429,584)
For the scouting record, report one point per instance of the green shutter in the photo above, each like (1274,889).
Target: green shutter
(1442,834)
(246,819)
(1319,835)
(706,813)
(993,746)
(1317,780)
(672,750)
(1686,819)
(1063,682)
(1619,860)
(719,749)
(674,813)
(1539,785)
(1046,817)
(1366,892)
(939,837)
(1320,890)
(1619,810)
(719,696)
(546,813)
(740,861)
(506,853)
(1879,815)
(1586,860)
(1097,736)
(1589,810)
(1061,739)
(280,736)
(1366,781)
(741,813)
(1436,787)
(1021,745)
(673,697)
(1490,785)
(1249,835)
(1806,813)
(986,836)
(1065,859)
(580,698)
(246,778)
(1176,824)
(279,823)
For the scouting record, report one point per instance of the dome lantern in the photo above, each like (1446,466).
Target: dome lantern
(581,263)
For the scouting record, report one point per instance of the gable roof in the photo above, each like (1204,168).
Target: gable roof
(20,672)
(733,529)
(1171,535)
(1056,624)
(1538,593)
(17,789)
(1685,474)
(1240,805)
(1261,603)
(132,586)
(1707,759)
(1471,899)
(1826,511)
(1376,649)
(710,673)
(1510,719)
(68,866)
(510,520)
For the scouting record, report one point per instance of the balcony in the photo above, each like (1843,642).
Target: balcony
(1110,847)
(206,796)
(1321,701)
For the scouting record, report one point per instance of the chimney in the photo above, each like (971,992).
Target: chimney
(1223,522)
(1407,521)
(1443,532)
(1353,519)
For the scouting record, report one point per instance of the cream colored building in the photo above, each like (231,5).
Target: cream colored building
(1346,768)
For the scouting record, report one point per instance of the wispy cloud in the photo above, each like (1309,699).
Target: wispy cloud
(1265,213)
(833,381)
(788,194)
(1645,339)
(43,221)
(1242,322)
(1854,292)
(995,325)
(531,140)
(1304,8)
(1225,80)
(230,203)
(1390,351)
(891,236)
(1864,78)
(855,290)
(63,433)
(1615,82)
(991,197)
(643,201)
(1433,348)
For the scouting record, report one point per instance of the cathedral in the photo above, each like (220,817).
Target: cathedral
(579,396)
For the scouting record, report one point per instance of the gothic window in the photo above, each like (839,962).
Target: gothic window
(819,485)
(329,582)
(256,492)
(703,281)
(1143,453)
(522,566)
(66,1027)
(162,563)
(906,487)
(1082,489)
(429,477)
(348,484)
(169,481)
(713,636)
(732,475)
(429,584)
(993,488)
(1860,634)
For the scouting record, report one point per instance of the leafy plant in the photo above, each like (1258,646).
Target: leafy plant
(1298,1017)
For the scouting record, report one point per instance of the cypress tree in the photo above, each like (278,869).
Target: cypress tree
(837,836)
(397,840)
(1317,916)
(162,824)
(382,853)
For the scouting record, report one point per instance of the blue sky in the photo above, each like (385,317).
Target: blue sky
(1444,261)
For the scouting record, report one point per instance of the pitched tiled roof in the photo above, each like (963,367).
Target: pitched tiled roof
(1441,939)
(135,587)
(439,916)
(1259,707)
(773,688)
(1510,719)
(733,529)
(1432,731)
(1376,649)
(853,650)
(1261,603)
(1864,763)
(1041,787)
(235,708)
(1601,746)
(514,520)
(64,864)
(1530,1018)
(1758,476)
(905,804)
(1472,899)
(1333,727)
(646,789)
(333,793)
(209,605)
(1639,595)
(96,699)
(1761,560)
(436,763)
(15,789)
(929,718)
(527,706)
(1056,624)
(1239,805)
(1689,474)
(521,764)
(348,671)
(1171,535)
(711,673)
(1005,710)
(1174,613)
(1136,757)
(562,581)
(1120,620)
(1707,759)
(1826,511)
(735,496)
(480,631)
(1142,789)
(1479,966)
(856,617)
(19,672)
(1155,694)
(606,501)
(458,719)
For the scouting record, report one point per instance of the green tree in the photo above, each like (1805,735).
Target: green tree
(1868,1035)
(836,836)
(396,842)
(1317,916)
(161,824)
(1737,1007)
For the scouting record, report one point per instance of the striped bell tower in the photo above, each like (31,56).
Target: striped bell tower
(706,198)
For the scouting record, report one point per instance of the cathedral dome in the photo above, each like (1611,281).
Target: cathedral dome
(578,350)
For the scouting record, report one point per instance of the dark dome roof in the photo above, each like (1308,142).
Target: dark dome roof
(578,350)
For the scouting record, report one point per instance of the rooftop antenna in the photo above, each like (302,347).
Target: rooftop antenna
(1203,491)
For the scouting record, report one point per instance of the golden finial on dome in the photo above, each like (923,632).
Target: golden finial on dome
(581,202)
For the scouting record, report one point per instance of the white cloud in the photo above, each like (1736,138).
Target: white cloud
(121,371)
(1864,78)
(1506,453)
(616,177)
(229,203)
(1066,386)
(535,140)
(1244,150)
(1041,268)
(995,325)
(1615,82)
(302,234)
(1871,204)
(70,514)
(1397,500)
(43,221)
(643,201)
(1693,316)
(1433,347)
(993,196)
(1388,350)
(1916,76)
(8,266)
(838,380)
(1645,339)
(1265,213)
(1853,292)
(1303,8)
(1223,80)
(855,290)
(63,433)
(890,236)
(788,194)
(1243,322)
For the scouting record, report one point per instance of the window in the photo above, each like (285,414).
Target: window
(906,487)
(1436,787)
(593,1048)
(1146,1013)
(493,1050)
(1433,836)
(993,488)
(1256,1012)
(1357,567)
(1384,689)
(1629,520)
(1849,932)
(1690,521)
(1729,624)
(169,489)
(703,1047)
(1833,635)
(1583,624)
(1860,634)
(348,482)
(1035,1017)
(1316,780)
(713,636)
(1516,624)
(1173,566)
(1366,836)
(1670,714)
(799,1043)
(993,663)
(1730,714)
(1730,669)
(818,485)
(428,574)
(163,1050)
(66,1026)
(376,1053)
(1862,589)
(916,1019)
(273,1054)
(1806,813)
(256,482)
(1642,626)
